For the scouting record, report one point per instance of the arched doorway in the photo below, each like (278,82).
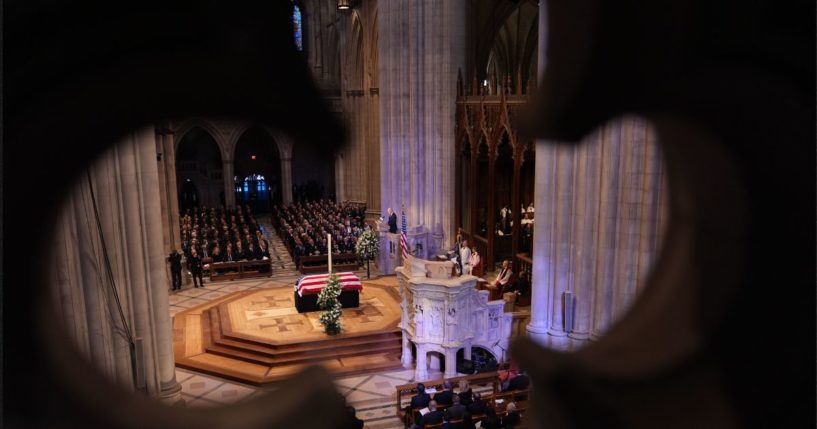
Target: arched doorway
(198,170)
(257,170)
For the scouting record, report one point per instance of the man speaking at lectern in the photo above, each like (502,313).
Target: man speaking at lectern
(392,221)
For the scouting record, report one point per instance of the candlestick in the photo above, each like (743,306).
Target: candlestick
(329,246)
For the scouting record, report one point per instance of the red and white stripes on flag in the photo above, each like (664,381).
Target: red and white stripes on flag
(403,240)
(313,284)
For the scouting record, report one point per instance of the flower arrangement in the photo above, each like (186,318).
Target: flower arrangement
(367,247)
(329,302)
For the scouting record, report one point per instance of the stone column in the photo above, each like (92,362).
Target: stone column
(172,187)
(124,189)
(340,178)
(148,284)
(406,358)
(286,179)
(421,45)
(434,362)
(421,370)
(516,216)
(166,233)
(450,363)
(537,328)
(229,181)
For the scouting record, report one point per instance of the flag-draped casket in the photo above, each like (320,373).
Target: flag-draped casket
(307,289)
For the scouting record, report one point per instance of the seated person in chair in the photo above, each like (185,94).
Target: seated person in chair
(456,411)
(504,275)
(511,420)
(446,396)
(432,417)
(478,406)
(421,399)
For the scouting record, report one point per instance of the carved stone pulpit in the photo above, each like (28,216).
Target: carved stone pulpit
(443,314)
(389,257)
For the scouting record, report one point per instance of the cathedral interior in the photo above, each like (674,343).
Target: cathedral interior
(612,200)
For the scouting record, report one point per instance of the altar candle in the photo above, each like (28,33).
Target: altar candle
(329,246)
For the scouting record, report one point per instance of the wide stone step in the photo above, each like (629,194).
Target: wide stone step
(313,351)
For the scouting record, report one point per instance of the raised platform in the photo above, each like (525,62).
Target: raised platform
(258,337)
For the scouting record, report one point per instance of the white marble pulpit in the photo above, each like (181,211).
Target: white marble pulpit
(443,314)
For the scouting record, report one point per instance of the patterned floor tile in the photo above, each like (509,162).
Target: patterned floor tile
(353,381)
(202,403)
(358,396)
(192,302)
(175,299)
(198,385)
(229,393)
(193,292)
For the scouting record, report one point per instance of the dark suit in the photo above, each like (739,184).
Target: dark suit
(491,423)
(446,397)
(420,400)
(393,223)
(520,382)
(466,398)
(194,263)
(455,412)
(431,418)
(477,407)
(511,420)
(176,269)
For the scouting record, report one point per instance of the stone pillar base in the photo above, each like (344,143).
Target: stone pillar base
(539,334)
(171,395)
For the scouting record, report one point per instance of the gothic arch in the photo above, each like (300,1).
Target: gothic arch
(213,129)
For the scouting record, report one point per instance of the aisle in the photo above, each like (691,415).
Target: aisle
(282,263)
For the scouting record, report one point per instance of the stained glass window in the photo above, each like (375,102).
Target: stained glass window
(296,23)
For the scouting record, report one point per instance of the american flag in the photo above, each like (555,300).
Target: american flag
(403,241)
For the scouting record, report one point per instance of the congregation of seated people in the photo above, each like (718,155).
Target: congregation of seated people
(220,235)
(461,410)
(303,226)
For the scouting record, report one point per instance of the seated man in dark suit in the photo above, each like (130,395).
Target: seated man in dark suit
(456,411)
(432,417)
(491,420)
(421,399)
(478,406)
(520,382)
(446,397)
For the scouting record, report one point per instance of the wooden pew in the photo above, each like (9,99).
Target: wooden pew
(318,264)
(239,270)
(410,390)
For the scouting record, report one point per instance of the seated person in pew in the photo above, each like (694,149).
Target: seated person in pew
(421,399)
(520,286)
(478,406)
(240,252)
(491,420)
(465,393)
(504,275)
(512,419)
(432,417)
(520,382)
(446,396)
(456,411)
